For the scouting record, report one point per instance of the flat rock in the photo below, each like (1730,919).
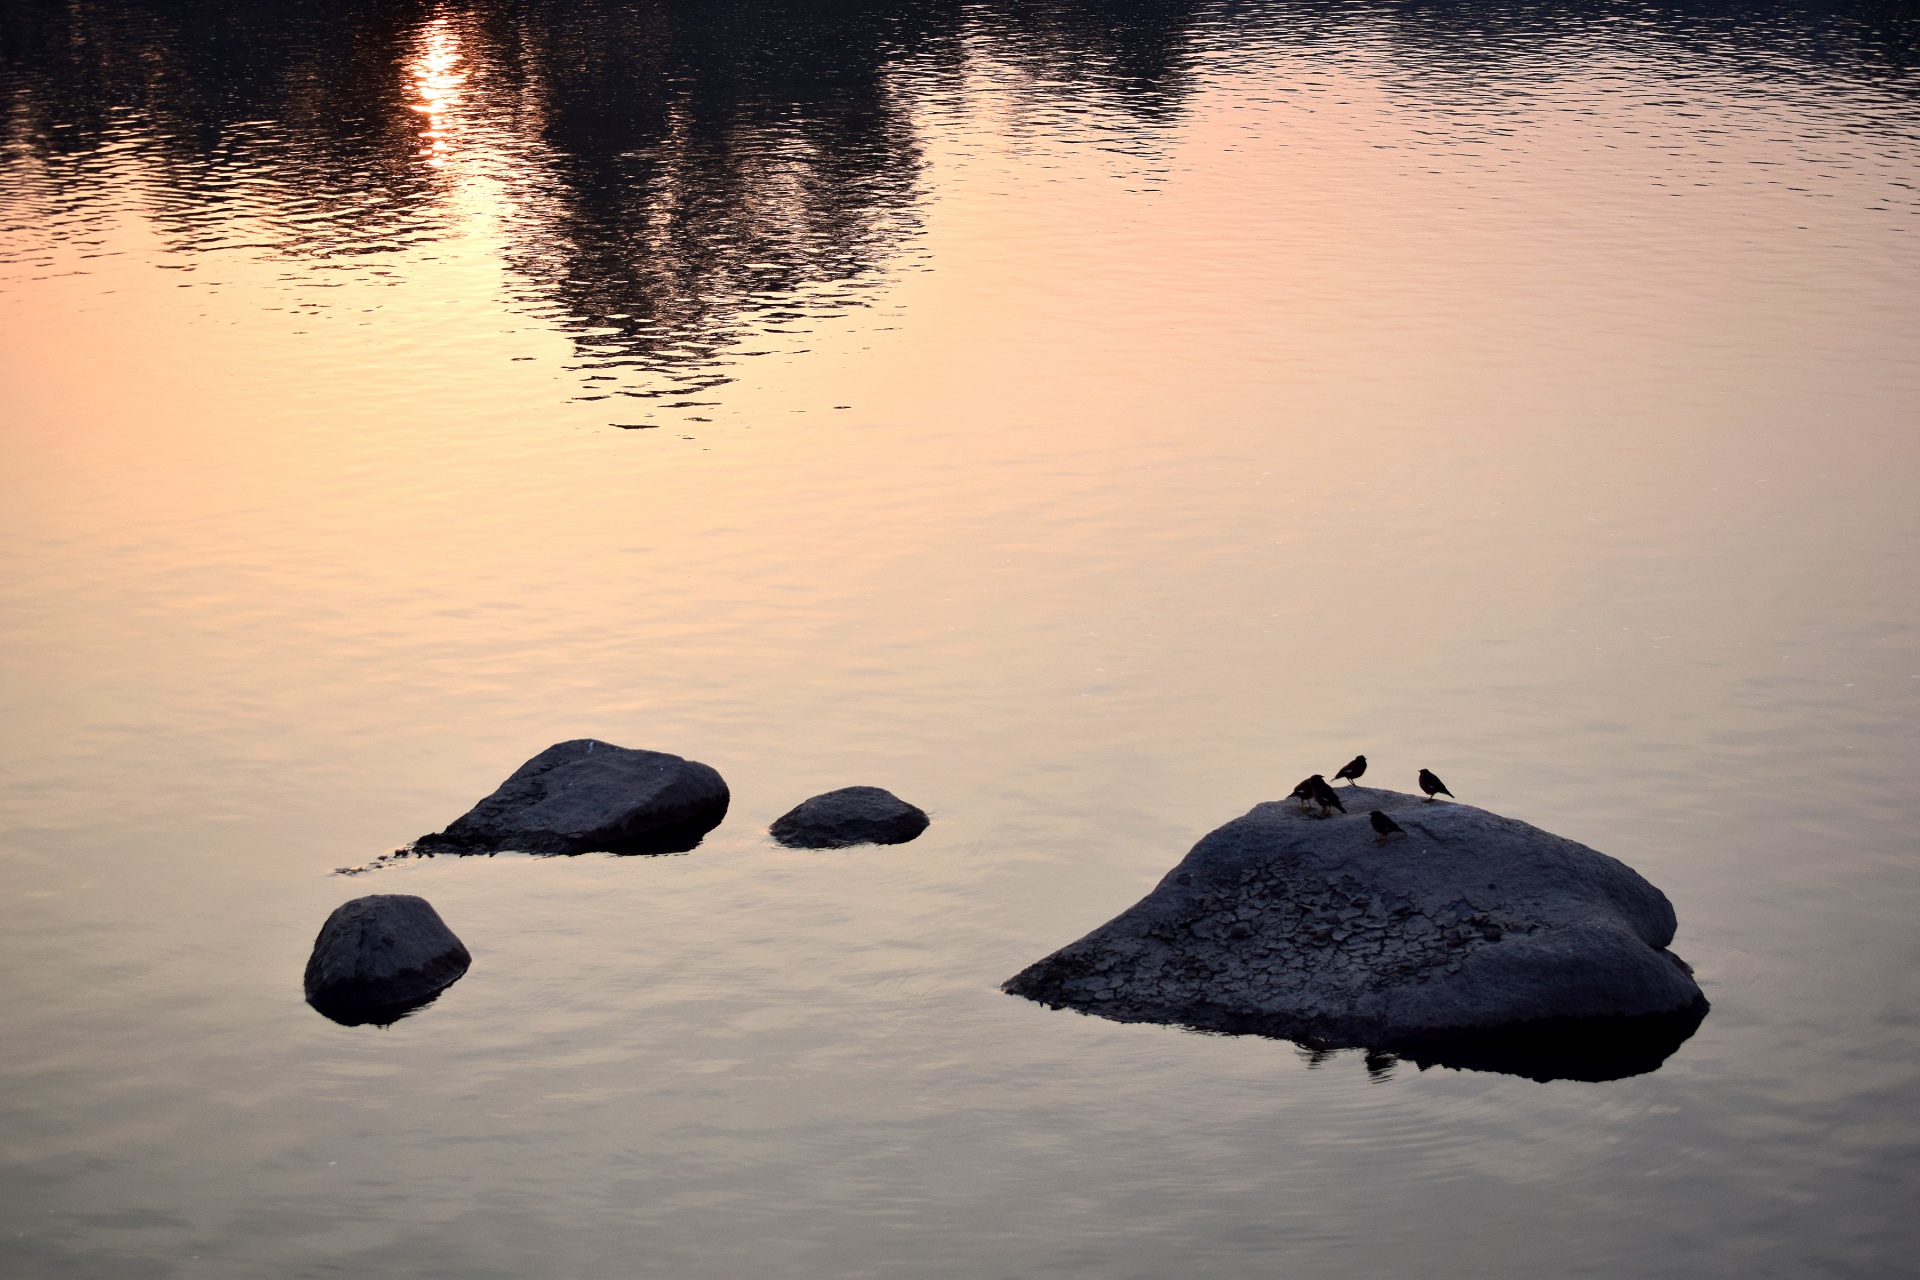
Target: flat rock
(849,816)
(1469,930)
(588,796)
(379,957)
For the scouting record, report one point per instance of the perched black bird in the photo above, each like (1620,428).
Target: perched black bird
(1432,785)
(1316,790)
(1384,826)
(1325,796)
(1352,770)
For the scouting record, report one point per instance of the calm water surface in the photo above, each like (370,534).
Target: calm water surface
(1084,420)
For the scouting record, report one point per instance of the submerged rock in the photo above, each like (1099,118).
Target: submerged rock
(380,957)
(588,796)
(849,816)
(1468,929)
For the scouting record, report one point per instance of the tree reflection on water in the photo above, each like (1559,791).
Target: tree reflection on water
(663,179)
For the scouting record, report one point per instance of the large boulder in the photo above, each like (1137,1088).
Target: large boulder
(1469,929)
(849,816)
(588,796)
(380,957)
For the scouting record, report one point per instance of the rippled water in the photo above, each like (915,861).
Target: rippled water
(1083,420)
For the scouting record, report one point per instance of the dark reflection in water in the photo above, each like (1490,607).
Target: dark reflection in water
(1588,1049)
(382,1016)
(702,168)
(669,175)
(1584,1049)
(670,179)
(1871,40)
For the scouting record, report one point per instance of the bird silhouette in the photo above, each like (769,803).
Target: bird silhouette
(1384,826)
(1432,785)
(1315,789)
(1352,770)
(1326,796)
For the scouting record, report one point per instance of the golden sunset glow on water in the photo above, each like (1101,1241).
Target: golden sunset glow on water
(437,84)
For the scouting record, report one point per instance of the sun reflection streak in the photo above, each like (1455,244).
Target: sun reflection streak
(439,88)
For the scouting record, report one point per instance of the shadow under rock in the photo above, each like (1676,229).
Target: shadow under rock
(354,1015)
(1590,1050)
(1587,1049)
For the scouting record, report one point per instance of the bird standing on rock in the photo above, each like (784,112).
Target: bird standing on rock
(1326,796)
(1316,790)
(1352,770)
(1432,785)
(1384,826)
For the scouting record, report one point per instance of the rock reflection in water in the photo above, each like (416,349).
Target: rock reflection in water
(383,1017)
(1592,1050)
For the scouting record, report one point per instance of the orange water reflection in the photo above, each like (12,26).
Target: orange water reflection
(439,87)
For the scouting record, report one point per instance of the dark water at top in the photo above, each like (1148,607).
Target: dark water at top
(1083,420)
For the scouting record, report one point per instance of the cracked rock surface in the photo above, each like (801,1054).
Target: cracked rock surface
(1286,923)
(588,796)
